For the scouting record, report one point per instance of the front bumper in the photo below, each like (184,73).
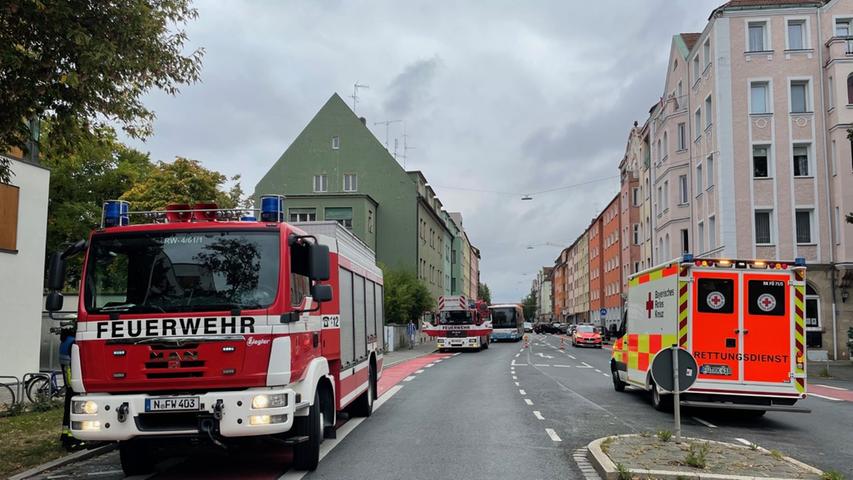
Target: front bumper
(589,342)
(505,336)
(464,342)
(236,410)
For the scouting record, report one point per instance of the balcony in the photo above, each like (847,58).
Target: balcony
(839,47)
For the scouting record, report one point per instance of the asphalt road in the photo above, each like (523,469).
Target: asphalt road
(509,412)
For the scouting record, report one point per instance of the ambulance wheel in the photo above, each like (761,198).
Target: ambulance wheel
(135,457)
(618,384)
(363,405)
(662,403)
(306,455)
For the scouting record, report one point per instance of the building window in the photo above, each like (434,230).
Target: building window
(804,226)
(350,182)
(799,96)
(831,94)
(321,183)
(763,227)
(701,239)
(838,226)
(666,195)
(708,111)
(850,89)
(757,36)
(699,180)
(706,52)
(709,162)
(665,145)
(685,240)
(336,142)
(712,232)
(303,215)
(833,165)
(342,215)
(370,221)
(758,97)
(796,34)
(636,234)
(697,123)
(813,326)
(697,71)
(760,165)
(660,201)
(682,136)
(801,160)
(682,190)
(635,197)
(660,150)
(679,92)
(9,201)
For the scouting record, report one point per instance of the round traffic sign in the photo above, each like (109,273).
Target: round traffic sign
(662,371)
(602,312)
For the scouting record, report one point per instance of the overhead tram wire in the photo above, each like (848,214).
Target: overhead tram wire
(550,190)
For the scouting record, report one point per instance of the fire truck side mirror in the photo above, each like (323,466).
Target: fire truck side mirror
(318,267)
(321,293)
(54,301)
(56,272)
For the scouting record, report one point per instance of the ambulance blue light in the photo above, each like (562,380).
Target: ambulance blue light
(272,208)
(800,261)
(687,258)
(115,213)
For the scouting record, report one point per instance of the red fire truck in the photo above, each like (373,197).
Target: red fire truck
(460,324)
(197,326)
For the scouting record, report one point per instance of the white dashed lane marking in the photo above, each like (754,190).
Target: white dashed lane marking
(409,378)
(705,422)
(538,414)
(528,401)
(420,371)
(744,441)
(522,392)
(551,433)
(516,384)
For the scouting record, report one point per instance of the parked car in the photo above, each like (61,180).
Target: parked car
(587,336)
(528,327)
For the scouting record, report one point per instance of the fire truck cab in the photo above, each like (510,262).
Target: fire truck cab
(197,326)
(460,324)
(741,319)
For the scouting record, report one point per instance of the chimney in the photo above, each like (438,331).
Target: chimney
(363,121)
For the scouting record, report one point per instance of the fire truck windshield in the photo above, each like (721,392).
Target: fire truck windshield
(152,272)
(456,317)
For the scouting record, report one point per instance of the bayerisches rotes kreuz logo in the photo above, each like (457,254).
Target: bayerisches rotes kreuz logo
(766,302)
(715,300)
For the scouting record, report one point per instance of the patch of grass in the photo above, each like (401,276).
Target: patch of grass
(753,447)
(664,435)
(605,445)
(622,472)
(697,455)
(646,434)
(29,439)
(831,475)
(12,410)
(776,454)
(43,402)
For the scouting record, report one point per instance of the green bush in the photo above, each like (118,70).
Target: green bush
(664,435)
(831,475)
(697,454)
(623,472)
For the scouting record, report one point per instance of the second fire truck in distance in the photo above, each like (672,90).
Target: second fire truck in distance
(460,325)
(741,319)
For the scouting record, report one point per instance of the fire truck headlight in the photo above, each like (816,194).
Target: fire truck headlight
(267,419)
(269,401)
(86,426)
(87,407)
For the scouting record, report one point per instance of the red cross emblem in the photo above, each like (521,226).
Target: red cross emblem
(650,305)
(715,300)
(766,302)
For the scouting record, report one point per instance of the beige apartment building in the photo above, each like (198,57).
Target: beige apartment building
(579,257)
(749,148)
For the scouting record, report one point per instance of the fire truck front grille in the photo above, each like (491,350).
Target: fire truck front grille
(456,334)
(180,364)
(153,422)
(167,374)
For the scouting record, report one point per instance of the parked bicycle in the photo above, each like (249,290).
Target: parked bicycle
(46,385)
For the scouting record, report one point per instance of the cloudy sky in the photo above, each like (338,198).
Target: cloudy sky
(502,97)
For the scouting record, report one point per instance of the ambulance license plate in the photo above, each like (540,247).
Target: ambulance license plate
(715,370)
(171,404)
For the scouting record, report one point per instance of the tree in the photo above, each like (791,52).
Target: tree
(528,304)
(72,61)
(406,296)
(87,167)
(182,181)
(483,292)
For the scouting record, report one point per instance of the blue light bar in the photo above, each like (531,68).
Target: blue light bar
(800,261)
(248,218)
(115,213)
(272,208)
(687,258)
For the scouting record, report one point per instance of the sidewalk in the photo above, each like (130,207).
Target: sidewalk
(392,358)
(840,370)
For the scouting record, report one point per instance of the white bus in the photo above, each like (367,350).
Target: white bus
(507,322)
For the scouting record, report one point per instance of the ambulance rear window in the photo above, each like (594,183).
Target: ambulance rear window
(716,295)
(766,297)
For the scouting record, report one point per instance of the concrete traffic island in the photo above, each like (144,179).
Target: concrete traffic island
(658,456)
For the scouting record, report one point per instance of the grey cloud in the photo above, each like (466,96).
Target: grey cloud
(411,86)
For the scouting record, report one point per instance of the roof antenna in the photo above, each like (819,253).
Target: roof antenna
(406,146)
(354,95)
(387,123)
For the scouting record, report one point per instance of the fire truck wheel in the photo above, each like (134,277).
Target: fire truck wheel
(136,457)
(486,344)
(363,405)
(618,384)
(306,455)
(662,403)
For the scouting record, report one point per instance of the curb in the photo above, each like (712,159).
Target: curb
(607,469)
(62,461)
(387,365)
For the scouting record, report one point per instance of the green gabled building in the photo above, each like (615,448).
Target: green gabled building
(336,169)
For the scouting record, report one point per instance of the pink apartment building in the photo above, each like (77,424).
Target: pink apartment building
(750,156)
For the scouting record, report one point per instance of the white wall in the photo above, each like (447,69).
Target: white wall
(21,274)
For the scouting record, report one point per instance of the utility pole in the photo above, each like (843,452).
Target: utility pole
(354,95)
(387,123)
